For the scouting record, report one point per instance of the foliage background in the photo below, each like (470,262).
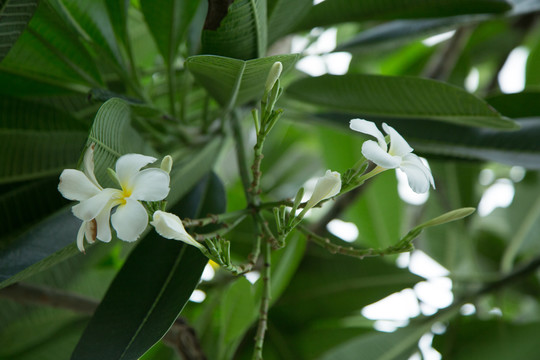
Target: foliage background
(166,77)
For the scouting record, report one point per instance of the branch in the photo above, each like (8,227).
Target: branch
(181,336)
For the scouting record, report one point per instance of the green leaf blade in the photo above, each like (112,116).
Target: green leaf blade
(242,33)
(14,17)
(398,97)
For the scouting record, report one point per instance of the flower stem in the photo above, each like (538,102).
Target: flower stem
(265,303)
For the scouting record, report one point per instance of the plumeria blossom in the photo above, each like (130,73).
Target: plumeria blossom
(96,203)
(170,227)
(398,156)
(327,186)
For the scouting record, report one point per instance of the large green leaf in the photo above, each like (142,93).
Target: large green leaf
(398,345)
(241,34)
(517,105)
(493,339)
(168,22)
(234,82)
(36,140)
(283,15)
(14,17)
(162,273)
(91,20)
(113,135)
(398,97)
(340,285)
(338,11)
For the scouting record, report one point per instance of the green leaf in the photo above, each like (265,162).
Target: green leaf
(36,140)
(234,82)
(398,345)
(14,17)
(517,105)
(93,23)
(118,13)
(338,11)
(493,339)
(126,326)
(284,15)
(340,285)
(42,246)
(113,135)
(168,22)
(398,97)
(241,34)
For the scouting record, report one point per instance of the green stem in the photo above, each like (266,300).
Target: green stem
(401,246)
(222,231)
(215,219)
(265,303)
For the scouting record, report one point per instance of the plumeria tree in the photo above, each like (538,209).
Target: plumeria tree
(178,177)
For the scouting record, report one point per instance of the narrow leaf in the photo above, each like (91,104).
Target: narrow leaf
(338,11)
(398,97)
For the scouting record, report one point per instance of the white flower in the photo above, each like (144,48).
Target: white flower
(170,227)
(95,203)
(399,156)
(327,186)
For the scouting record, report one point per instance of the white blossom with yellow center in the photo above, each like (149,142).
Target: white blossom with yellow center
(130,218)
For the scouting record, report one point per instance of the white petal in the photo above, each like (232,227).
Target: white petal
(398,145)
(128,165)
(327,186)
(374,153)
(88,163)
(103,221)
(80,237)
(418,174)
(170,227)
(130,220)
(74,185)
(89,209)
(150,185)
(369,128)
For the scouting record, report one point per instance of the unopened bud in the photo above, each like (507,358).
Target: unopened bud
(166,163)
(448,217)
(327,186)
(273,75)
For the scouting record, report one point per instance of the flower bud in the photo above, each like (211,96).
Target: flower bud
(327,186)
(170,227)
(166,164)
(273,75)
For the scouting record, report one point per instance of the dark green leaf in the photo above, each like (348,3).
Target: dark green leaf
(126,326)
(168,22)
(338,11)
(338,284)
(234,82)
(398,97)
(518,105)
(283,15)
(14,17)
(242,34)
(494,339)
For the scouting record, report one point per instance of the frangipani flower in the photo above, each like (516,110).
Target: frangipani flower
(170,227)
(399,156)
(327,186)
(95,203)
